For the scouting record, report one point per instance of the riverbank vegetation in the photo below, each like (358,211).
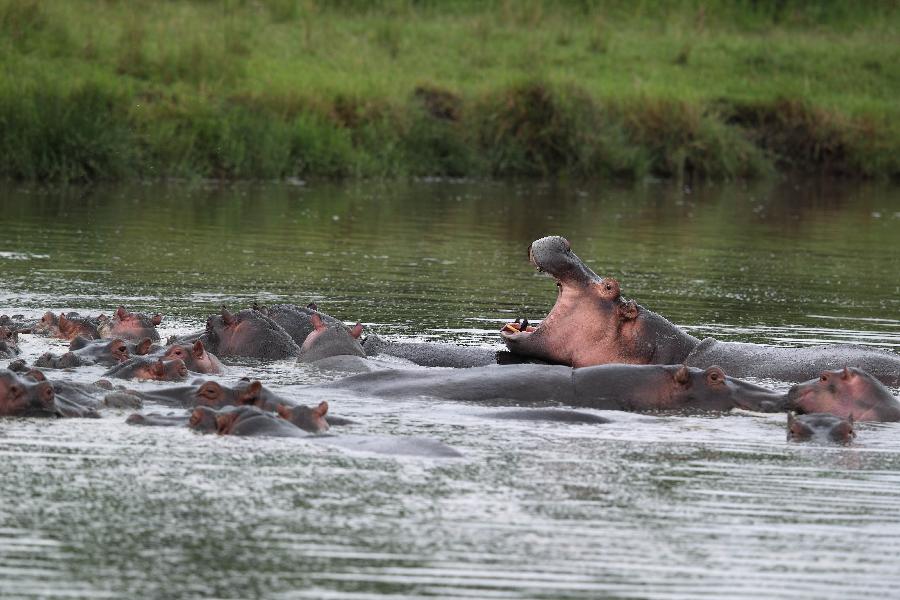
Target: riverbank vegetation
(267,89)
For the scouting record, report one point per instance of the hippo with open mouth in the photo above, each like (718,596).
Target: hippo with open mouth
(592,324)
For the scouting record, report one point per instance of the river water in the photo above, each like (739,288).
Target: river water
(647,506)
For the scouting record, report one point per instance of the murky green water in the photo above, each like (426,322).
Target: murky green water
(646,506)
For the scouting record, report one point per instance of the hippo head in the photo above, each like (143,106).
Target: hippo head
(29,395)
(132,326)
(118,350)
(70,327)
(8,342)
(590,323)
(304,417)
(712,389)
(195,356)
(161,370)
(228,332)
(843,392)
(325,341)
(226,421)
(203,419)
(49,324)
(820,427)
(213,394)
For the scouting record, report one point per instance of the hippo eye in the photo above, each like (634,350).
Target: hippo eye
(823,377)
(15,390)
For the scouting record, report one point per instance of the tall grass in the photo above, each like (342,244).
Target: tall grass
(98,89)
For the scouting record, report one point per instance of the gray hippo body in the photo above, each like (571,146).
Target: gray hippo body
(635,388)
(793,364)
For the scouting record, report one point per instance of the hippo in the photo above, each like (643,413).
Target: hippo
(130,326)
(68,326)
(592,324)
(9,340)
(83,352)
(304,417)
(820,427)
(845,392)
(248,333)
(251,421)
(635,388)
(25,396)
(65,399)
(17,323)
(158,420)
(436,354)
(327,341)
(297,320)
(143,367)
(195,357)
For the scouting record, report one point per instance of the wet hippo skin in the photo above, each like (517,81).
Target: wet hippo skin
(635,388)
(591,323)
(845,392)
(820,427)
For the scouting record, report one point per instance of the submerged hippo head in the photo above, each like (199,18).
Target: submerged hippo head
(712,389)
(214,395)
(820,427)
(248,333)
(304,417)
(591,323)
(8,342)
(326,341)
(131,326)
(845,392)
(203,419)
(141,367)
(29,395)
(195,357)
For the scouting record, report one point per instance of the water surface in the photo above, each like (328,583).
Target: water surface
(648,506)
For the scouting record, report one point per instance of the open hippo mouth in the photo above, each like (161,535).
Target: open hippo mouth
(587,315)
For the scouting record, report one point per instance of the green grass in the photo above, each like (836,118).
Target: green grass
(113,89)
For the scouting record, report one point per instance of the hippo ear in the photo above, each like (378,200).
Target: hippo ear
(320,410)
(121,313)
(36,375)
(284,411)
(845,374)
(628,310)
(159,368)
(357,330)
(198,349)
(63,320)
(143,346)
(312,306)
(227,317)
(682,375)
(317,322)
(157,319)
(609,288)
(251,393)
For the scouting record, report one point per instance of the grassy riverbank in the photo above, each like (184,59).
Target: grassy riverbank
(105,89)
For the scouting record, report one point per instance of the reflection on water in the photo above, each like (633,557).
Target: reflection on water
(644,507)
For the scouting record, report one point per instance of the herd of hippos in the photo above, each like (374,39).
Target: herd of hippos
(595,349)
